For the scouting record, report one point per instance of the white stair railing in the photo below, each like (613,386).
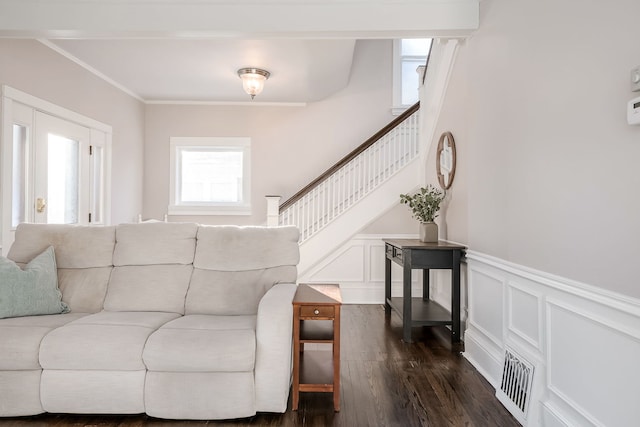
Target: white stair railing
(328,198)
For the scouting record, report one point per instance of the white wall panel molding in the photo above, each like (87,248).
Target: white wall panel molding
(347,264)
(590,353)
(486,306)
(583,341)
(525,313)
(376,254)
(616,322)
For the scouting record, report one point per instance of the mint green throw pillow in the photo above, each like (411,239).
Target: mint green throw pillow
(32,291)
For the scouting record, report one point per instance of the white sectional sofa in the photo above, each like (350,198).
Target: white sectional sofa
(175,320)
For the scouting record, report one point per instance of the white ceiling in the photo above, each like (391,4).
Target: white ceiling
(190,50)
(206,70)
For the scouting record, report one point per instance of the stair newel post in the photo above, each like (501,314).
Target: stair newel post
(273,211)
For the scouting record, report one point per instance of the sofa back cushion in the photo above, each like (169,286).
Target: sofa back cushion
(235,266)
(84,256)
(152,267)
(151,243)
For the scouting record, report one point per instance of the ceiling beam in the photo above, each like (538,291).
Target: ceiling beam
(238,18)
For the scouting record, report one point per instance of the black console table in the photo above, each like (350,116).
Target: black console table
(412,254)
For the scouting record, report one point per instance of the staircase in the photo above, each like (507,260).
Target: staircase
(355,191)
(367,182)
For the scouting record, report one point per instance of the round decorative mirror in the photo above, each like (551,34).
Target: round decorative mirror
(446,160)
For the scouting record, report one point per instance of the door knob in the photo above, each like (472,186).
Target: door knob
(40,204)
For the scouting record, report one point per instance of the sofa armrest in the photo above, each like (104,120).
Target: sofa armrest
(274,330)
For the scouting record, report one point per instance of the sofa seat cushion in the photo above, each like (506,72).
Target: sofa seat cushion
(203,343)
(20,338)
(102,341)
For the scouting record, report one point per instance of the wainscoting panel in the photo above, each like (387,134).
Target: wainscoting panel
(524,315)
(486,304)
(593,364)
(376,263)
(584,342)
(348,265)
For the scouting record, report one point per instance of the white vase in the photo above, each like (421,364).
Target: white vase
(429,232)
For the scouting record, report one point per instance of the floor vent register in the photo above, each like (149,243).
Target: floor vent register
(515,387)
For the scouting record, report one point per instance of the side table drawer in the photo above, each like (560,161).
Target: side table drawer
(317,311)
(392,251)
(388,249)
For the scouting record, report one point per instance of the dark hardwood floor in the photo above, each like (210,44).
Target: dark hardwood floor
(385,382)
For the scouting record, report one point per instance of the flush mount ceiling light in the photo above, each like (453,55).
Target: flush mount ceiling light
(253,80)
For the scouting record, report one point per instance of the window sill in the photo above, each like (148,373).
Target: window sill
(208,210)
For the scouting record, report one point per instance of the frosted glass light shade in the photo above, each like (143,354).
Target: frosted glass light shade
(253,80)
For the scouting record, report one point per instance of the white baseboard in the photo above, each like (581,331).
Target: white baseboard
(484,356)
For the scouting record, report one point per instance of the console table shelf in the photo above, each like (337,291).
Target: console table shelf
(316,372)
(423,313)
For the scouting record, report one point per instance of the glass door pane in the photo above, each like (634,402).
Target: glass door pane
(19,176)
(62,180)
(97,185)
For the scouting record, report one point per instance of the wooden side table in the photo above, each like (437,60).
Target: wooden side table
(316,319)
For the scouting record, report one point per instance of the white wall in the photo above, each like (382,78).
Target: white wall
(290,145)
(545,197)
(537,105)
(33,68)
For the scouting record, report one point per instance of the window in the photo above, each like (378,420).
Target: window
(210,176)
(408,55)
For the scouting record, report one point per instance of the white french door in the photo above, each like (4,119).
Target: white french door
(55,166)
(61,171)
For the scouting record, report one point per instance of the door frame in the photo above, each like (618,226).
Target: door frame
(100,130)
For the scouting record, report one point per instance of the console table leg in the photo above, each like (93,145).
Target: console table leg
(455,297)
(425,284)
(406,299)
(387,285)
